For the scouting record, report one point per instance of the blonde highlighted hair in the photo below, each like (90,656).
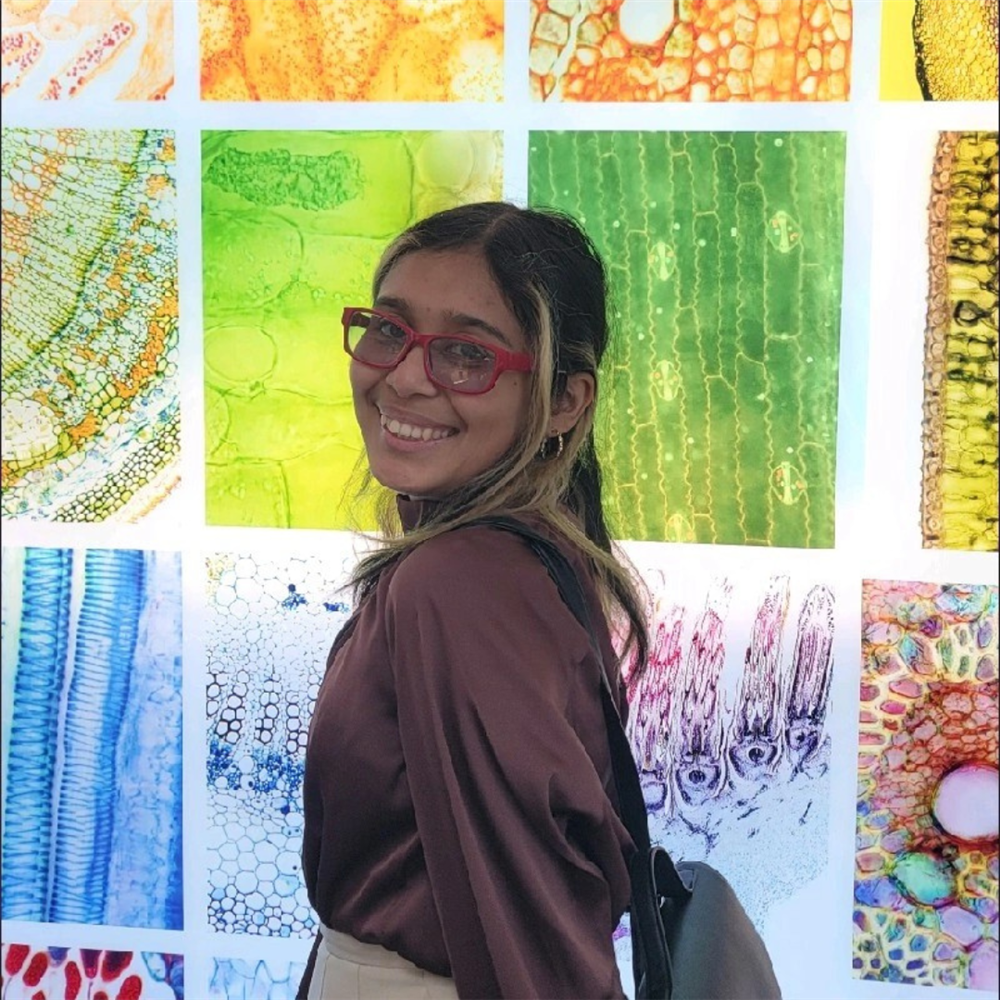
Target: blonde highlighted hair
(554,281)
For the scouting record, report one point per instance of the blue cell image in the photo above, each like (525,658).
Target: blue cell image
(92,724)
(270,624)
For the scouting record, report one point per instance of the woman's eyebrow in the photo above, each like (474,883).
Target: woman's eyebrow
(393,303)
(462,319)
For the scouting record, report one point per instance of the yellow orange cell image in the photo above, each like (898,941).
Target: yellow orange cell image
(961,447)
(54,49)
(939,50)
(91,396)
(293,224)
(690,50)
(351,50)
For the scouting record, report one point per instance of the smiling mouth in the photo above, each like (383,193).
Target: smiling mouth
(409,432)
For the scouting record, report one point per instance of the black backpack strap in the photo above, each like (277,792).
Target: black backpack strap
(345,633)
(652,873)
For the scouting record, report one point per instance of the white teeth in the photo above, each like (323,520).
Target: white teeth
(409,432)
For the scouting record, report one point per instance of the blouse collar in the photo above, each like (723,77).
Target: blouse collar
(414,511)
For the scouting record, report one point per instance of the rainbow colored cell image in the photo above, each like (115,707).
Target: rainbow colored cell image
(33,973)
(352,50)
(939,50)
(293,225)
(718,419)
(926,867)
(115,49)
(690,50)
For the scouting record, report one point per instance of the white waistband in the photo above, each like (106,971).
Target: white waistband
(350,949)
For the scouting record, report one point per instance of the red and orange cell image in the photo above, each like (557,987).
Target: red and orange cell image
(33,973)
(114,49)
(926,868)
(690,50)
(351,50)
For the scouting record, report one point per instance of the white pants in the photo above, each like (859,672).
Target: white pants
(348,969)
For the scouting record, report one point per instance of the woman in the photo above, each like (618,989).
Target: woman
(461,837)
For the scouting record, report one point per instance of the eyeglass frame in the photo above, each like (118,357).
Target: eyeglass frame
(505,360)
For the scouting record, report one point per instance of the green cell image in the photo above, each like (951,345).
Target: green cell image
(293,224)
(719,411)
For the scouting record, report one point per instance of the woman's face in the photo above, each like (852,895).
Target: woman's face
(432,292)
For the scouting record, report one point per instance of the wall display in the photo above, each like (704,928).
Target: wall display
(270,625)
(725,252)
(960,480)
(926,866)
(800,396)
(92,739)
(117,49)
(353,50)
(239,979)
(294,223)
(939,50)
(91,396)
(730,728)
(659,50)
(32,973)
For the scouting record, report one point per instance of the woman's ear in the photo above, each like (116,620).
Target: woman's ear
(572,402)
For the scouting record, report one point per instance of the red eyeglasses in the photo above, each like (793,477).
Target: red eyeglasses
(451,361)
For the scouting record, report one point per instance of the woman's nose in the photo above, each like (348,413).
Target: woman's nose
(409,378)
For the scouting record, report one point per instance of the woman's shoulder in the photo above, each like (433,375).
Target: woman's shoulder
(470,556)
(477,563)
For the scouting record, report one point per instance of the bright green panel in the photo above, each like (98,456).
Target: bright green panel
(719,413)
(293,224)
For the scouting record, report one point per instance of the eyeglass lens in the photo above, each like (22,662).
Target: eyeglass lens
(453,363)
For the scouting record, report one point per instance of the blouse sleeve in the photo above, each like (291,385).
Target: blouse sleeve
(525,854)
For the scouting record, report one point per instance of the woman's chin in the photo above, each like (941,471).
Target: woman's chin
(414,486)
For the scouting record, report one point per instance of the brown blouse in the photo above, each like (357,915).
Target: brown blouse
(457,777)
